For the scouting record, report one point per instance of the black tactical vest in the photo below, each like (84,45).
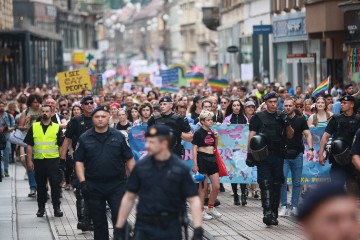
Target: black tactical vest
(346,127)
(82,126)
(170,121)
(273,130)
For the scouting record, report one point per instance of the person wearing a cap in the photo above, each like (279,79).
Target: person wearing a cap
(103,158)
(179,125)
(328,212)
(75,127)
(162,183)
(275,127)
(294,156)
(343,127)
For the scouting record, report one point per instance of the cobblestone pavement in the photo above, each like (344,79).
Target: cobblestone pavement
(18,219)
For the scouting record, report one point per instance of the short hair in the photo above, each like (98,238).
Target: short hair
(281,90)
(204,114)
(243,89)
(327,95)
(144,105)
(47,105)
(180,104)
(288,84)
(290,99)
(2,102)
(122,109)
(206,101)
(32,98)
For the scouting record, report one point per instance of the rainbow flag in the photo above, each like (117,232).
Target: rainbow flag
(225,70)
(194,78)
(322,88)
(92,68)
(218,84)
(180,67)
(169,89)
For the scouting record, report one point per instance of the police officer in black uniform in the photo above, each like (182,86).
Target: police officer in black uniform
(178,124)
(273,127)
(355,151)
(342,128)
(103,157)
(163,184)
(76,127)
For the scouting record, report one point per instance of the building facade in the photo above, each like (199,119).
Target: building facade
(6,15)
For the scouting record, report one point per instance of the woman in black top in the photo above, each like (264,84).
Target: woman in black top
(196,108)
(123,124)
(204,142)
(235,114)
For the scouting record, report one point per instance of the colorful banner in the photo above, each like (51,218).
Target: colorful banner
(218,84)
(233,149)
(169,76)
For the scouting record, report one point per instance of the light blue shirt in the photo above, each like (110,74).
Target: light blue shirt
(336,107)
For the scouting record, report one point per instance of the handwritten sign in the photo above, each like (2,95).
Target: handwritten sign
(74,81)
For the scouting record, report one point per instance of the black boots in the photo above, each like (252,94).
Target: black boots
(84,222)
(276,186)
(243,199)
(236,199)
(266,199)
(58,212)
(40,212)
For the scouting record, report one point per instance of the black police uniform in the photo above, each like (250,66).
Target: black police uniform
(343,127)
(356,144)
(104,156)
(176,122)
(163,188)
(270,174)
(77,126)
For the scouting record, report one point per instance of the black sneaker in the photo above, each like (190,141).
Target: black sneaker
(32,193)
(40,212)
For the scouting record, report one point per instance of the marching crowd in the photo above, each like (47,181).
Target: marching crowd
(73,132)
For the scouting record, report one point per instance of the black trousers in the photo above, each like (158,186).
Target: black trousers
(100,193)
(271,169)
(157,232)
(47,169)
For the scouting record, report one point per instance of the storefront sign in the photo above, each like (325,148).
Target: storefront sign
(289,27)
(262,29)
(74,81)
(352,26)
(300,58)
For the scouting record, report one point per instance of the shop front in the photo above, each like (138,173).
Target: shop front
(296,58)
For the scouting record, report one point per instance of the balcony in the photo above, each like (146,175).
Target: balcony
(211,17)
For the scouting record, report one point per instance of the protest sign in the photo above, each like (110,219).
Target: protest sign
(233,149)
(74,81)
(169,76)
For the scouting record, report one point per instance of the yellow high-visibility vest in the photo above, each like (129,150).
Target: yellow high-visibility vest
(45,144)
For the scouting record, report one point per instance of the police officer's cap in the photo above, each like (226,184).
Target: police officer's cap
(87,98)
(317,196)
(165,99)
(100,108)
(348,98)
(269,96)
(158,130)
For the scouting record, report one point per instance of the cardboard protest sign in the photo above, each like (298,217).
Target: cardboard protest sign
(74,81)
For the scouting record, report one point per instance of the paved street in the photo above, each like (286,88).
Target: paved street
(18,220)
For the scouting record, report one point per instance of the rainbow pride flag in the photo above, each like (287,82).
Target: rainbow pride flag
(194,78)
(92,68)
(169,89)
(322,88)
(218,84)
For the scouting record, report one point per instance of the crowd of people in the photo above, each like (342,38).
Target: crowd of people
(298,111)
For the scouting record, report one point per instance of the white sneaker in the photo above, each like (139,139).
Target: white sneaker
(283,212)
(214,213)
(26,176)
(206,216)
(294,211)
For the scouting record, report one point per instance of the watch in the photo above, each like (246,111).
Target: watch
(311,149)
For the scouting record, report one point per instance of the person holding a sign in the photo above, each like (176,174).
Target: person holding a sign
(272,127)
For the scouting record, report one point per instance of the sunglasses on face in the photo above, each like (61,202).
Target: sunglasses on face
(65,113)
(299,107)
(89,103)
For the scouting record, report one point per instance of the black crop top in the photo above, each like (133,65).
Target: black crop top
(203,138)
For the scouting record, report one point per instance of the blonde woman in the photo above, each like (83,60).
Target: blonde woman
(204,142)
